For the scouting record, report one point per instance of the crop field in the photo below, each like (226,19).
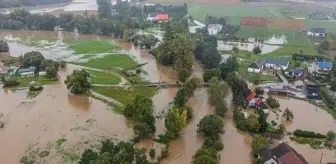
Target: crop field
(293,38)
(199,12)
(330,26)
(254,22)
(286,24)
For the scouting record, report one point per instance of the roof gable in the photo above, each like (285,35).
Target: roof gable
(253,65)
(251,96)
(277,61)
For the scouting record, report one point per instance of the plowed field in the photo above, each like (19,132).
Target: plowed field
(286,24)
(254,22)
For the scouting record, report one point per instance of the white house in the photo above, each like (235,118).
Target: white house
(213,29)
(317,32)
(277,63)
(26,72)
(151,17)
(256,66)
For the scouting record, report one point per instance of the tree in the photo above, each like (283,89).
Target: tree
(152,153)
(331,136)
(104,8)
(229,66)
(333,85)
(258,142)
(78,82)
(210,73)
(272,102)
(176,120)
(288,115)
(216,91)
(262,119)
(126,36)
(221,108)
(180,98)
(210,126)
(252,123)
(3,46)
(33,58)
(235,49)
(324,45)
(190,85)
(50,67)
(62,64)
(88,156)
(256,50)
(238,88)
(183,75)
(205,156)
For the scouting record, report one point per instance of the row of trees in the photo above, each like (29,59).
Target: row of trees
(18,3)
(111,152)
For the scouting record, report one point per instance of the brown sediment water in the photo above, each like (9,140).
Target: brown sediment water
(54,113)
(306,117)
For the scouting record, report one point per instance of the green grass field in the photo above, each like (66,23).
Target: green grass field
(330,26)
(92,46)
(125,96)
(103,78)
(25,82)
(110,61)
(199,12)
(293,38)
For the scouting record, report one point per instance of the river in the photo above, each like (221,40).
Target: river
(55,113)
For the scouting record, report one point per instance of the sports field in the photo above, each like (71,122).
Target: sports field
(199,12)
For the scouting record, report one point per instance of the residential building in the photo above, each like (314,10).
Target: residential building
(317,32)
(277,63)
(257,66)
(151,17)
(254,101)
(26,72)
(158,17)
(325,66)
(319,15)
(213,29)
(282,154)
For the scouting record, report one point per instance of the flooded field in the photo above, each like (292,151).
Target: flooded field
(55,114)
(306,116)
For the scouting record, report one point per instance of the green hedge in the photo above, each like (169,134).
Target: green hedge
(308,134)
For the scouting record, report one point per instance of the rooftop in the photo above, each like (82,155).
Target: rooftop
(162,17)
(325,64)
(30,69)
(277,61)
(318,30)
(284,154)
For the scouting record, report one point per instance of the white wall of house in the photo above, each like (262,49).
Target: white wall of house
(151,18)
(253,70)
(271,161)
(309,33)
(212,31)
(26,74)
(252,102)
(276,66)
(42,73)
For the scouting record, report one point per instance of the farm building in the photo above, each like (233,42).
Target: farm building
(277,63)
(319,15)
(256,66)
(26,72)
(255,102)
(282,154)
(213,29)
(157,17)
(317,32)
(325,66)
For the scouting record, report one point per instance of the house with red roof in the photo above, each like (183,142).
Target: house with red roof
(254,101)
(158,17)
(282,154)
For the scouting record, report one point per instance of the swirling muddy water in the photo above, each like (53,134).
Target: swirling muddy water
(55,113)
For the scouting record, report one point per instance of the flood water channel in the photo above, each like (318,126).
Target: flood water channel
(55,113)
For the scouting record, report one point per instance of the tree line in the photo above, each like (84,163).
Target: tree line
(19,3)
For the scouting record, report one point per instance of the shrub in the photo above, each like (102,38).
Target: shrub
(152,153)
(331,135)
(212,143)
(35,88)
(272,102)
(11,82)
(256,50)
(308,134)
(210,73)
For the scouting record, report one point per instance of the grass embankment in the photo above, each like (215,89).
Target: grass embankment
(92,46)
(293,38)
(123,95)
(110,61)
(25,82)
(103,78)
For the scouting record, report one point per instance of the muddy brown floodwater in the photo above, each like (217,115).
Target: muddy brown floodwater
(55,113)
